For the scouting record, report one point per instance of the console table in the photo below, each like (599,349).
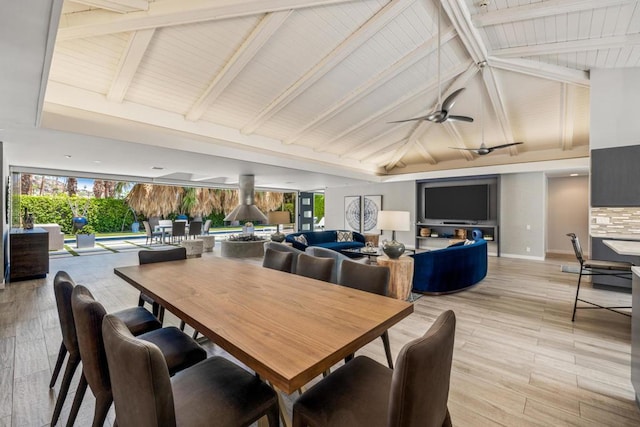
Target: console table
(29,254)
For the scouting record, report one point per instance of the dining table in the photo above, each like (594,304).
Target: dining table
(287,328)
(165,229)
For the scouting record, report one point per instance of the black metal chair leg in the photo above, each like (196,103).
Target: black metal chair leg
(575,303)
(61,354)
(387,348)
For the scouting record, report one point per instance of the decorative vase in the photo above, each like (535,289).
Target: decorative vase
(277,237)
(393,249)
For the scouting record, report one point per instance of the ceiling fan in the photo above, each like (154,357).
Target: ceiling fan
(483,149)
(441,113)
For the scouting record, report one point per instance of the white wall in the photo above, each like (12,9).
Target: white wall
(397,196)
(614,108)
(567,212)
(522,215)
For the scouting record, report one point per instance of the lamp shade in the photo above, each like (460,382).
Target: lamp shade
(278,217)
(394,220)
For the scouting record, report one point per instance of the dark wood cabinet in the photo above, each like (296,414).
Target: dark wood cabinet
(29,254)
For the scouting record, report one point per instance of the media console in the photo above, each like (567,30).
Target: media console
(437,235)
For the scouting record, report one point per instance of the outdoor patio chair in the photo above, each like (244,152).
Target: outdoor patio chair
(195,229)
(151,235)
(178,231)
(206,227)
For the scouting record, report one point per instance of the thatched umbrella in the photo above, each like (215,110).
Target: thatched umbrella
(152,200)
(268,201)
(204,202)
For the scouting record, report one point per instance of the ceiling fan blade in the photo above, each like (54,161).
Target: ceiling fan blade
(460,119)
(410,120)
(451,99)
(496,147)
(466,149)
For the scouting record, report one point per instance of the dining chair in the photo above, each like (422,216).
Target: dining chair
(137,320)
(319,251)
(178,350)
(178,231)
(315,267)
(195,229)
(153,221)
(285,248)
(369,278)
(595,267)
(364,393)
(206,227)
(212,392)
(150,257)
(277,260)
(151,235)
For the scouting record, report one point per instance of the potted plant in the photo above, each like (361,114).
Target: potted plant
(85,237)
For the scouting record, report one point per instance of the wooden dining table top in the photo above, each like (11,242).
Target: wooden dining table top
(287,328)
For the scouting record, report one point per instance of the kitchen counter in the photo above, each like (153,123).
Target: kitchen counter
(624,247)
(635,333)
(632,237)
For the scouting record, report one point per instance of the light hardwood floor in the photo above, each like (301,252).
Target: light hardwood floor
(518,359)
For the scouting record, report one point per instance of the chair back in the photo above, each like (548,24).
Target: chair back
(576,247)
(153,221)
(63,286)
(88,314)
(195,228)
(277,260)
(365,277)
(147,228)
(420,383)
(315,267)
(320,252)
(206,227)
(139,376)
(178,228)
(285,248)
(149,257)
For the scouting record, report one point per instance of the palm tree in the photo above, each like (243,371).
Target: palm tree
(98,188)
(72,186)
(25,183)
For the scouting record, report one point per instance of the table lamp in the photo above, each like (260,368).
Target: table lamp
(278,218)
(394,221)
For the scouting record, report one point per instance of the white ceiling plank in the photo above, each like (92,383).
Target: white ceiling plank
(456,140)
(420,91)
(613,42)
(120,6)
(173,12)
(461,19)
(129,62)
(496,98)
(541,10)
(398,155)
(542,70)
(425,153)
(245,53)
(384,151)
(567,117)
(375,82)
(335,57)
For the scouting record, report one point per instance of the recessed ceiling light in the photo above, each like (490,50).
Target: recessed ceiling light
(97,161)
(574,174)
(68,156)
(157,168)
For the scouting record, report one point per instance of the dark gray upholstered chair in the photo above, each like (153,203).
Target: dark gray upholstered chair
(369,278)
(277,260)
(320,252)
(179,350)
(213,392)
(364,393)
(137,319)
(315,267)
(596,267)
(285,248)
(151,235)
(178,231)
(149,257)
(195,229)
(153,221)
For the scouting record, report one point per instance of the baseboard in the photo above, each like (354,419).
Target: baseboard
(518,256)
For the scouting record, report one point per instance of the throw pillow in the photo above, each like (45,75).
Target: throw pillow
(345,236)
(469,242)
(301,239)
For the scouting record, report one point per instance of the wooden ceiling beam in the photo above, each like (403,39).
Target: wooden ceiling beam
(129,62)
(374,83)
(567,117)
(496,98)
(541,70)
(541,10)
(120,6)
(385,150)
(572,46)
(260,35)
(380,20)
(173,12)
(398,155)
(361,149)
(460,17)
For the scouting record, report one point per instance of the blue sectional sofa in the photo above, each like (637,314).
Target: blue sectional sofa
(450,269)
(326,239)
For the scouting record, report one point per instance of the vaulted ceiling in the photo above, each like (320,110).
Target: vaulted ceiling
(321,80)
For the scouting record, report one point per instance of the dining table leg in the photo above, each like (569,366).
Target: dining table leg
(284,416)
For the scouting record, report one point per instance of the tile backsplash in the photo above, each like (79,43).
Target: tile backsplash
(613,221)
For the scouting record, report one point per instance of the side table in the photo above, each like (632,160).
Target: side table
(401,277)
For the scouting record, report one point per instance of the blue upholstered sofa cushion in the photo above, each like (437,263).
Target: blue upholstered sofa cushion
(450,269)
(326,239)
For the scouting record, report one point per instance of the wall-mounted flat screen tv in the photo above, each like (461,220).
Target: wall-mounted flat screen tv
(465,202)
